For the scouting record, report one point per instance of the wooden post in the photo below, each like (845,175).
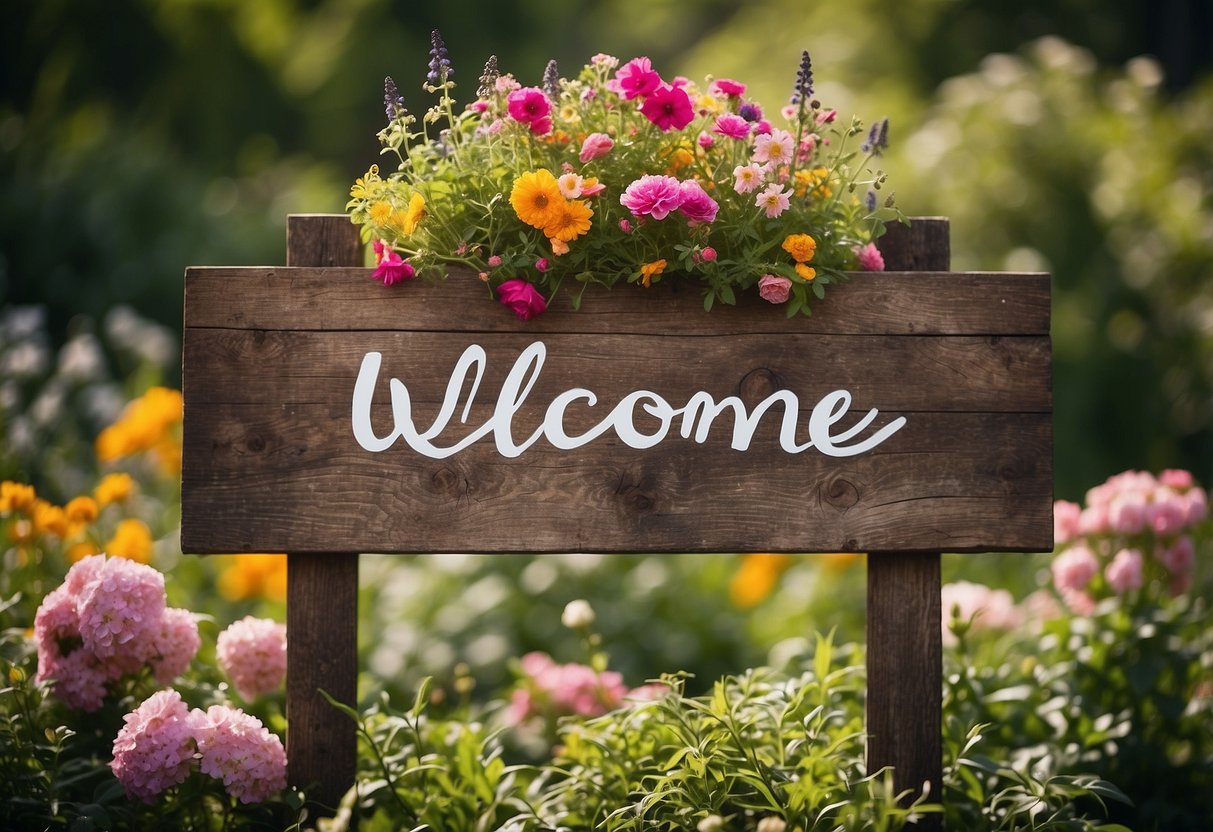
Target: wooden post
(322,595)
(905,650)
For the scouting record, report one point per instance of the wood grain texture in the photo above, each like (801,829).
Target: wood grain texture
(322,593)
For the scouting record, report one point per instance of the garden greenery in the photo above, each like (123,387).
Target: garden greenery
(618,174)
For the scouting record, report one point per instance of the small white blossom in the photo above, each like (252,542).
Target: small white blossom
(577,615)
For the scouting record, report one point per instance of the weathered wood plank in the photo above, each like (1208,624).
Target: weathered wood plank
(868,303)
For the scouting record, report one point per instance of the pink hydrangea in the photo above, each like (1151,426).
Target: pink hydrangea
(236,748)
(1074,568)
(564,689)
(1066,516)
(732,125)
(595,146)
(979,606)
(530,106)
(774,289)
(154,749)
(177,643)
(653,195)
(869,258)
(521,298)
(1179,558)
(120,611)
(78,679)
(252,652)
(696,205)
(635,78)
(1124,573)
(669,108)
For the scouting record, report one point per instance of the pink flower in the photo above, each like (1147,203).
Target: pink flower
(529,105)
(774,147)
(773,288)
(635,78)
(826,116)
(1179,557)
(594,146)
(696,205)
(774,200)
(154,749)
(732,125)
(1197,506)
(177,642)
(1124,572)
(654,196)
(1176,478)
(237,749)
(1065,521)
(747,178)
(705,140)
(252,652)
(625,225)
(392,269)
(669,108)
(727,86)
(523,299)
(1127,513)
(494,261)
(1074,568)
(869,258)
(120,611)
(708,254)
(979,606)
(541,265)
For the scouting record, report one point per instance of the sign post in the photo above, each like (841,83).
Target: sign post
(327,415)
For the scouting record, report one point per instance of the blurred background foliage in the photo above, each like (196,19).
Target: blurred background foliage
(138,137)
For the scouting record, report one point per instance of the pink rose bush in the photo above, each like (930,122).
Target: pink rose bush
(1133,536)
(252,652)
(549,690)
(616,167)
(162,742)
(108,620)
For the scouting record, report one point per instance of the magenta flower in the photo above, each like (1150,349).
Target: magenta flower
(696,205)
(392,269)
(523,299)
(541,264)
(252,652)
(732,125)
(595,145)
(669,108)
(705,140)
(237,749)
(529,105)
(869,258)
(774,289)
(635,78)
(727,86)
(154,749)
(652,195)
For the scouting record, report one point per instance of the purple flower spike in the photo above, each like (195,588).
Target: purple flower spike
(440,62)
(804,80)
(393,101)
(551,80)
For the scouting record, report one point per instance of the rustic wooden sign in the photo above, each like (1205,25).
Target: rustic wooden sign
(328,415)
(329,412)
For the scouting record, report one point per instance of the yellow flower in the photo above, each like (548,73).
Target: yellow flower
(570,220)
(802,247)
(81,550)
(16,496)
(414,213)
(815,179)
(254,576)
(82,510)
(49,519)
(381,212)
(650,270)
(709,105)
(536,198)
(113,488)
(681,158)
(569,114)
(149,422)
(367,186)
(806,273)
(132,540)
(756,578)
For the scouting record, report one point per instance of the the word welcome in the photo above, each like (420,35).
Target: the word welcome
(695,418)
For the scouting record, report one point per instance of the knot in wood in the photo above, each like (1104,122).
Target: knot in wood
(638,494)
(255,444)
(758,384)
(840,493)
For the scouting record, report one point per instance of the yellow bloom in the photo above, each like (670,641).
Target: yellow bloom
(414,214)
(806,273)
(815,179)
(381,212)
(709,105)
(254,576)
(132,540)
(367,186)
(569,114)
(559,247)
(802,247)
(536,198)
(49,519)
(113,488)
(756,578)
(681,158)
(148,422)
(80,512)
(81,550)
(650,270)
(16,496)
(570,220)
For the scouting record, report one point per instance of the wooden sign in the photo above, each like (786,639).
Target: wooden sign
(325,411)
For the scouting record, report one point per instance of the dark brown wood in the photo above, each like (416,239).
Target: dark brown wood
(905,655)
(322,594)
(904,641)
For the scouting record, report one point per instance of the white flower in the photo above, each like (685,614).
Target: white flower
(577,615)
(712,823)
(772,823)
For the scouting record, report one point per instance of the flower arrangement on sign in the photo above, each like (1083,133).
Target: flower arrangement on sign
(620,175)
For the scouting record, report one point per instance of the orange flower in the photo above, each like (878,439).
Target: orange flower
(802,247)
(756,578)
(650,270)
(806,273)
(570,219)
(113,488)
(536,198)
(132,540)
(16,496)
(252,576)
